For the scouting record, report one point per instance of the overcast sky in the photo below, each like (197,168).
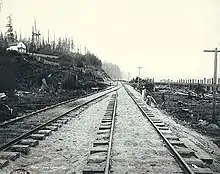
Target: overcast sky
(165,37)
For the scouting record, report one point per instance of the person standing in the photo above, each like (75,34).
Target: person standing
(150,100)
(164,100)
(143,93)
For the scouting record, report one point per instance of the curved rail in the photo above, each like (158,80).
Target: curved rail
(177,156)
(48,107)
(16,140)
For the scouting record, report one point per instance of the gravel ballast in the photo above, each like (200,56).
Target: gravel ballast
(137,148)
(188,135)
(66,150)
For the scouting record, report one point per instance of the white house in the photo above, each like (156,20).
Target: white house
(18,46)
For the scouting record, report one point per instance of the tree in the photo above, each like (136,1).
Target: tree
(112,70)
(53,45)
(27,42)
(59,45)
(149,86)
(72,46)
(10,33)
(3,42)
(92,60)
(7,77)
(15,37)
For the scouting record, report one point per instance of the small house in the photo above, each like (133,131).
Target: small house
(17,46)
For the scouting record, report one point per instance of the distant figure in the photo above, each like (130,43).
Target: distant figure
(44,86)
(150,100)
(163,100)
(163,97)
(143,93)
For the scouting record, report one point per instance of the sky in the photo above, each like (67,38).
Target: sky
(165,37)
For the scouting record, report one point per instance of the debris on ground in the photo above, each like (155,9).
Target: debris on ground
(37,85)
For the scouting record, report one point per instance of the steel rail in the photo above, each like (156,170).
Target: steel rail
(16,140)
(107,166)
(182,163)
(48,107)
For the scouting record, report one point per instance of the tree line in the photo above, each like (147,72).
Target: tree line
(64,47)
(112,70)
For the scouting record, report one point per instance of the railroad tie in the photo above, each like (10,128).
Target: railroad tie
(53,128)
(62,121)
(97,159)
(45,132)
(9,155)
(56,124)
(37,136)
(25,149)
(3,163)
(30,142)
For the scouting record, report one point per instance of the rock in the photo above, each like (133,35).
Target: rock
(60,149)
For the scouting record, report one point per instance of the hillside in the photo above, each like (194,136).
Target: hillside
(31,84)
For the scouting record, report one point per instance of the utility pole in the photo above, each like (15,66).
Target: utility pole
(214,117)
(139,72)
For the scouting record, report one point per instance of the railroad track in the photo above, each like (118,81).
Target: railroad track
(100,154)
(99,159)
(17,136)
(185,157)
(47,108)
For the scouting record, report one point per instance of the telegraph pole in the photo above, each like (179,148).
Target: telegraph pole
(214,117)
(139,72)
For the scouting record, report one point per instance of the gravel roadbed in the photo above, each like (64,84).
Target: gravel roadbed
(188,135)
(65,151)
(137,148)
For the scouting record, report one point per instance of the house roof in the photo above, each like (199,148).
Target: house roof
(15,43)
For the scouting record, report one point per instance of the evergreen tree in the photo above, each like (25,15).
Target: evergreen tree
(15,37)
(10,33)
(112,70)
(59,45)
(54,45)
(3,42)
(72,46)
